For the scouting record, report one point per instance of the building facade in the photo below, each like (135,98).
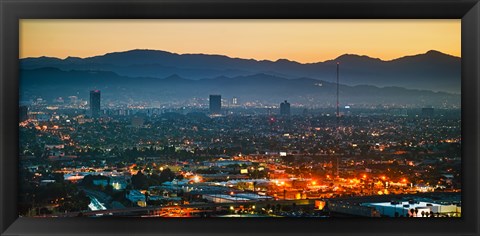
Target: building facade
(285,108)
(215,104)
(95,103)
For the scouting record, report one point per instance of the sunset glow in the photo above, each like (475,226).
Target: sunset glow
(299,40)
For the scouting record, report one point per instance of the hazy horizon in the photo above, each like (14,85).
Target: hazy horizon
(207,54)
(304,41)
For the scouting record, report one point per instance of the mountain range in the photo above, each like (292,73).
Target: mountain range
(433,70)
(50,83)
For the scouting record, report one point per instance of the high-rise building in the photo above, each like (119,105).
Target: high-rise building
(285,108)
(95,103)
(73,99)
(23,116)
(215,104)
(235,101)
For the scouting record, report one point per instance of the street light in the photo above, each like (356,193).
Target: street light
(196,179)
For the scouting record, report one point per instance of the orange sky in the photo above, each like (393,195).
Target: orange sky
(298,40)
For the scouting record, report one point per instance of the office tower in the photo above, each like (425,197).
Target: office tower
(235,101)
(73,99)
(23,116)
(95,103)
(285,108)
(215,104)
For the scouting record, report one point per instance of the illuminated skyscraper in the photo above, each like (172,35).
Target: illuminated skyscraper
(215,104)
(285,108)
(95,103)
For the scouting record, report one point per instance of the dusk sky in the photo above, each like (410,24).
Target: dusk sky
(298,40)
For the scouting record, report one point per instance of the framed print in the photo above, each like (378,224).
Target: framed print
(239,117)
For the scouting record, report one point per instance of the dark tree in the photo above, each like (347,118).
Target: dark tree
(167,175)
(140,181)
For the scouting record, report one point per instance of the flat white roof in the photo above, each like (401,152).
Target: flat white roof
(228,197)
(252,196)
(401,204)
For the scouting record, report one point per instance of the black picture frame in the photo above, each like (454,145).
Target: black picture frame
(13,10)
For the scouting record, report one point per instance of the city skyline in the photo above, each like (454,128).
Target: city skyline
(155,133)
(305,41)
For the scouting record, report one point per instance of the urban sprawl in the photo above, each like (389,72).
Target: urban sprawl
(237,160)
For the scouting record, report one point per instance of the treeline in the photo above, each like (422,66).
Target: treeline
(143,181)
(43,199)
